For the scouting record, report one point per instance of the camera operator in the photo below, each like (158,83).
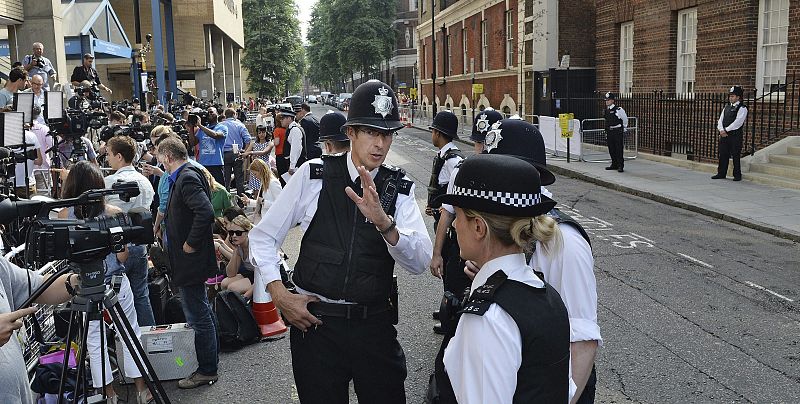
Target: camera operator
(121,152)
(210,142)
(17,79)
(66,149)
(24,168)
(16,285)
(86,72)
(38,65)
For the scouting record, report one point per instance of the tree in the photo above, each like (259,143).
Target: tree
(274,55)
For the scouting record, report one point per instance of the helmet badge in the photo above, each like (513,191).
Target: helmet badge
(383,103)
(483,123)
(493,137)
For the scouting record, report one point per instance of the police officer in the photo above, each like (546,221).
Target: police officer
(445,249)
(331,134)
(283,147)
(616,123)
(342,317)
(482,123)
(310,124)
(730,125)
(512,340)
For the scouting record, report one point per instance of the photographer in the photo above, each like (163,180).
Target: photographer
(17,79)
(210,142)
(38,65)
(86,72)
(16,285)
(121,152)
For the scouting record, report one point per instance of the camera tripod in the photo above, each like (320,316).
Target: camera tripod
(85,306)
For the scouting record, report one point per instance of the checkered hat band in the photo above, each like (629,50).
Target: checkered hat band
(514,199)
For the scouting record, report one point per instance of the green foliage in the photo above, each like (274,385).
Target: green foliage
(273,48)
(346,36)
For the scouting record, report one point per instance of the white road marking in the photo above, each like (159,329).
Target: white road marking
(696,261)
(759,287)
(644,238)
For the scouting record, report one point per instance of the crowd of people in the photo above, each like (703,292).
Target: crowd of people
(519,306)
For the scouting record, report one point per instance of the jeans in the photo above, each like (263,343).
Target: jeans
(232,163)
(200,317)
(136,269)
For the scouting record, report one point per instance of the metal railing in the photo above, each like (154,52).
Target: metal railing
(594,145)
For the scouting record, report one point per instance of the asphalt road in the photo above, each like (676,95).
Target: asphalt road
(691,309)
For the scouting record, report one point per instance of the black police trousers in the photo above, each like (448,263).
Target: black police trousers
(616,141)
(282,164)
(326,358)
(455,280)
(730,147)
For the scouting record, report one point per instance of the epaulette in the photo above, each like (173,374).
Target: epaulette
(315,171)
(405,186)
(391,167)
(482,298)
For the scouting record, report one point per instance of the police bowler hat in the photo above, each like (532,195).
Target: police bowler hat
(330,126)
(446,123)
(374,105)
(483,122)
(736,90)
(498,184)
(518,138)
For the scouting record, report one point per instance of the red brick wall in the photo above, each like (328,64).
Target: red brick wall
(494,89)
(576,32)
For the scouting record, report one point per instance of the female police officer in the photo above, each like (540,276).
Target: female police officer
(512,340)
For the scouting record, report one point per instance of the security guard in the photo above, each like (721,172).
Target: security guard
(512,339)
(616,123)
(482,123)
(445,248)
(331,134)
(730,125)
(344,311)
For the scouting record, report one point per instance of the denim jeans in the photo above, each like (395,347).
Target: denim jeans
(199,316)
(136,269)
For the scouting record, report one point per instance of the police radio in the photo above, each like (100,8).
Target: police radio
(389,195)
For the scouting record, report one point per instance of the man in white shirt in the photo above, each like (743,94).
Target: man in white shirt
(37,85)
(37,65)
(121,152)
(294,135)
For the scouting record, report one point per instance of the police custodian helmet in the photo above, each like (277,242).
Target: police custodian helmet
(518,138)
(330,127)
(374,105)
(483,122)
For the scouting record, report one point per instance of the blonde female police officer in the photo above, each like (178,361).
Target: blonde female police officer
(511,344)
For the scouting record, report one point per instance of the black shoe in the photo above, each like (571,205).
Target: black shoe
(437,328)
(435,315)
(622,170)
(718,177)
(611,168)
(737,178)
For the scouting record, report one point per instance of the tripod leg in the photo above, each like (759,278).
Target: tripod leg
(67,349)
(137,352)
(81,378)
(103,350)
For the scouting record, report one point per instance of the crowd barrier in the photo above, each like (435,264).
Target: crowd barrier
(594,146)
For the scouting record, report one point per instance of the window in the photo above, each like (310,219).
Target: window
(464,45)
(687,50)
(625,57)
(449,56)
(773,31)
(484,47)
(412,5)
(509,39)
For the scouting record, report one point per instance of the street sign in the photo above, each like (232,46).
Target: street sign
(413,93)
(566,122)
(477,89)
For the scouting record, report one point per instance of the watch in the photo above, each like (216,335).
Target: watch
(392,225)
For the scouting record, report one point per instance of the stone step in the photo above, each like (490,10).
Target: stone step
(785,159)
(778,170)
(771,180)
(794,150)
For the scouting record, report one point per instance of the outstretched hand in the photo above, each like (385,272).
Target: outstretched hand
(369,204)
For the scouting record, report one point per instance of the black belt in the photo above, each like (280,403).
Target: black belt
(348,311)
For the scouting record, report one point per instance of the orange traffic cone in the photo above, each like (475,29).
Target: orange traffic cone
(266,314)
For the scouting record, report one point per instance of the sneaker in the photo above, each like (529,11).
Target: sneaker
(215,280)
(718,177)
(197,380)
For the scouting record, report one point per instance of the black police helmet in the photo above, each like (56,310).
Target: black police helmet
(518,138)
(483,122)
(446,123)
(609,96)
(330,126)
(374,105)
(736,90)
(502,185)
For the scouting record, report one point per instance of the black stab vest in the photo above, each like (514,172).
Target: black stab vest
(562,217)
(543,323)
(613,120)
(434,188)
(342,255)
(729,115)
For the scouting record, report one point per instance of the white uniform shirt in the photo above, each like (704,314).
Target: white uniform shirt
(126,174)
(741,116)
(449,165)
(294,135)
(449,208)
(297,203)
(483,357)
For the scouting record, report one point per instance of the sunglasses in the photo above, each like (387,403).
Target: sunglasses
(237,233)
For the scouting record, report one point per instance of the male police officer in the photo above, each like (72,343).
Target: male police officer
(310,125)
(333,139)
(482,123)
(344,311)
(283,147)
(616,123)
(730,125)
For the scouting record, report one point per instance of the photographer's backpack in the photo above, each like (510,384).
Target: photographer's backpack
(236,325)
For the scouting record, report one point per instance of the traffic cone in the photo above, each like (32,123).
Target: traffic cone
(266,314)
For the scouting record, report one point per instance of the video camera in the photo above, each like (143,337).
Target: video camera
(87,98)
(76,122)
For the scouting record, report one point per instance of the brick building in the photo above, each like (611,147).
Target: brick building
(501,44)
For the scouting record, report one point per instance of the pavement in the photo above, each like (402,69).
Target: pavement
(765,208)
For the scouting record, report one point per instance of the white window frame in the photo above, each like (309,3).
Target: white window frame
(449,54)
(484,47)
(509,39)
(686,51)
(412,5)
(774,51)
(626,57)
(464,49)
